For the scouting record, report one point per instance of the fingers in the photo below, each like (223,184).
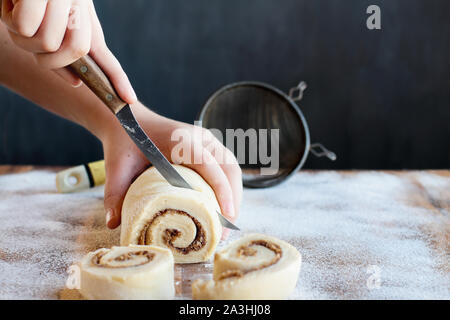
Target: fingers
(76,43)
(108,62)
(24,17)
(59,32)
(233,172)
(213,174)
(112,68)
(54,34)
(229,165)
(51,32)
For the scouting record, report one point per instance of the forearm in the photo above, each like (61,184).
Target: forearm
(20,73)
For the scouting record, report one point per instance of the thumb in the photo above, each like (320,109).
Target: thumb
(114,195)
(118,179)
(122,165)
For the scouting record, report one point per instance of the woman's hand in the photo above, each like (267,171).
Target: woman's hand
(202,152)
(59,32)
(43,28)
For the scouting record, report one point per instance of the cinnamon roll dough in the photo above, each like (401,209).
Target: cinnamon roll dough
(134,272)
(182,220)
(255,267)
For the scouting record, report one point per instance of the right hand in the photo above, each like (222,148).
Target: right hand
(59,32)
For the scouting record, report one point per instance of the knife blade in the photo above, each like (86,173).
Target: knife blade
(94,77)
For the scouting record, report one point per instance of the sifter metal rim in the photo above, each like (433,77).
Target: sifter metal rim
(255,183)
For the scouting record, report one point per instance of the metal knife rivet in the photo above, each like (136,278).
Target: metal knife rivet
(109,97)
(83,69)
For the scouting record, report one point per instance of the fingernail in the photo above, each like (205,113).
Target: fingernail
(109,216)
(229,210)
(225,234)
(133,93)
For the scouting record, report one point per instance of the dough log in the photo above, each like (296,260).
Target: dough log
(255,267)
(134,272)
(182,220)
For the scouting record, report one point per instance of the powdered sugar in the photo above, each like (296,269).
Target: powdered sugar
(362,235)
(345,223)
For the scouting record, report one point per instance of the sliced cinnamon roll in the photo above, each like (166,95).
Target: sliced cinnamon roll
(182,220)
(134,272)
(255,267)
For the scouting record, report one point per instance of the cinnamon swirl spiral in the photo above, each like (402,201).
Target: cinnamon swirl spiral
(252,268)
(134,272)
(182,220)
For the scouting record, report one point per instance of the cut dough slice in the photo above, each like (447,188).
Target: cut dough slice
(255,267)
(183,220)
(134,272)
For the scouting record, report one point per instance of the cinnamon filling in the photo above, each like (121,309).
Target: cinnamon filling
(96,260)
(248,251)
(170,235)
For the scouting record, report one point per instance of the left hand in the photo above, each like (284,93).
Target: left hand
(124,162)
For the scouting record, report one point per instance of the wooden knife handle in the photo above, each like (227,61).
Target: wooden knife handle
(94,77)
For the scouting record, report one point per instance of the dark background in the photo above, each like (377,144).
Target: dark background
(379,99)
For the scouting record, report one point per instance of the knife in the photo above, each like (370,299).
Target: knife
(93,77)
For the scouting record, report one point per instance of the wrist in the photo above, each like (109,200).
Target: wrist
(99,120)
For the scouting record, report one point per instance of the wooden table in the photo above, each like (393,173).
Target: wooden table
(362,234)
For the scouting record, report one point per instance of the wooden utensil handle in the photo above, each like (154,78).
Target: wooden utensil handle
(94,77)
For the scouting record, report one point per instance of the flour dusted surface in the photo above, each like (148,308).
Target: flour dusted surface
(346,225)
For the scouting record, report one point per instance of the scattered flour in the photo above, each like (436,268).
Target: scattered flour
(341,223)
